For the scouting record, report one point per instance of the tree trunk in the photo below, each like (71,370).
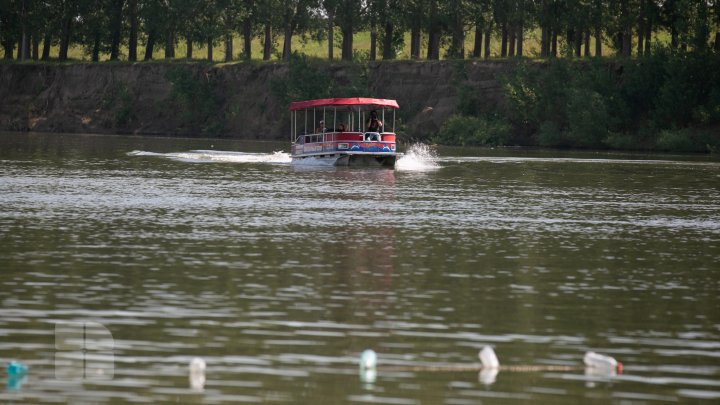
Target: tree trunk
(133,35)
(648,38)
(520,39)
(511,44)
(578,43)
(287,41)
(641,37)
(267,45)
(188,47)
(503,41)
(23,46)
(35,46)
(247,39)
(434,32)
(627,45)
(544,42)
(115,29)
(415,42)
(487,43)
(717,41)
(8,48)
(388,51)
(170,45)
(477,44)
(433,51)
(457,47)
(228,47)
(626,30)
(150,47)
(331,34)
(46,47)
(347,44)
(373,43)
(210,49)
(65,38)
(96,47)
(586,37)
(553,44)
(598,42)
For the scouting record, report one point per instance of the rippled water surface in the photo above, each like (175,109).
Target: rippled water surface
(279,275)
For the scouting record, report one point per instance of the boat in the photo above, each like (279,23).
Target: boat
(344,131)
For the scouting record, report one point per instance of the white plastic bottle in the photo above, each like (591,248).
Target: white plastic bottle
(595,360)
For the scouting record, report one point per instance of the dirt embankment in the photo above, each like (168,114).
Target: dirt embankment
(232,101)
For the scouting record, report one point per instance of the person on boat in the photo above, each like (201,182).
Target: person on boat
(321,128)
(341,127)
(373,123)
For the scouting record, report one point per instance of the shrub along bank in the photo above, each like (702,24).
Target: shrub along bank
(667,101)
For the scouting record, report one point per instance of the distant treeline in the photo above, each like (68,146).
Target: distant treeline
(121,28)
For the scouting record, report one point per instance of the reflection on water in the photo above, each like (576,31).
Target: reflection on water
(278,278)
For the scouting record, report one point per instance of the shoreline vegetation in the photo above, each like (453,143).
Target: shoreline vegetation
(607,74)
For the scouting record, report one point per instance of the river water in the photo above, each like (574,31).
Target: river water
(153,251)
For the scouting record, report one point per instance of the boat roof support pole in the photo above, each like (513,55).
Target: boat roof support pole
(383,116)
(314,121)
(334,119)
(306,121)
(393,121)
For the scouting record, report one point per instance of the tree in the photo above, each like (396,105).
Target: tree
(296,19)
(434,28)
(416,20)
(331,8)
(456,16)
(350,16)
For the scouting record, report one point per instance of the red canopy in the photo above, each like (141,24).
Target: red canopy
(336,102)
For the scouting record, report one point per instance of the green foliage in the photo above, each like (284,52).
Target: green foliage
(687,140)
(304,81)
(474,131)
(119,99)
(599,104)
(195,100)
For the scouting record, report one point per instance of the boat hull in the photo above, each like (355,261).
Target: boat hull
(349,160)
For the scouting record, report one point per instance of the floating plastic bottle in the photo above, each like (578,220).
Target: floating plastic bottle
(488,358)
(368,360)
(197,374)
(15,368)
(490,365)
(595,360)
(368,363)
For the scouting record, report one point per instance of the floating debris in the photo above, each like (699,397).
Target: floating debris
(368,359)
(602,362)
(197,374)
(368,364)
(488,358)
(15,368)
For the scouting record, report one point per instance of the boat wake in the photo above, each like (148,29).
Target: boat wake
(418,158)
(204,156)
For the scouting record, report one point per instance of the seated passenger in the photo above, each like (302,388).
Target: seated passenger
(321,128)
(341,128)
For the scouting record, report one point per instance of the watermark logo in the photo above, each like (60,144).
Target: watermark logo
(84,351)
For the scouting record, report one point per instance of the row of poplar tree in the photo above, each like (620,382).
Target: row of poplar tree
(119,28)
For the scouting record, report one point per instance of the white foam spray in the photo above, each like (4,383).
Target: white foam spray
(418,157)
